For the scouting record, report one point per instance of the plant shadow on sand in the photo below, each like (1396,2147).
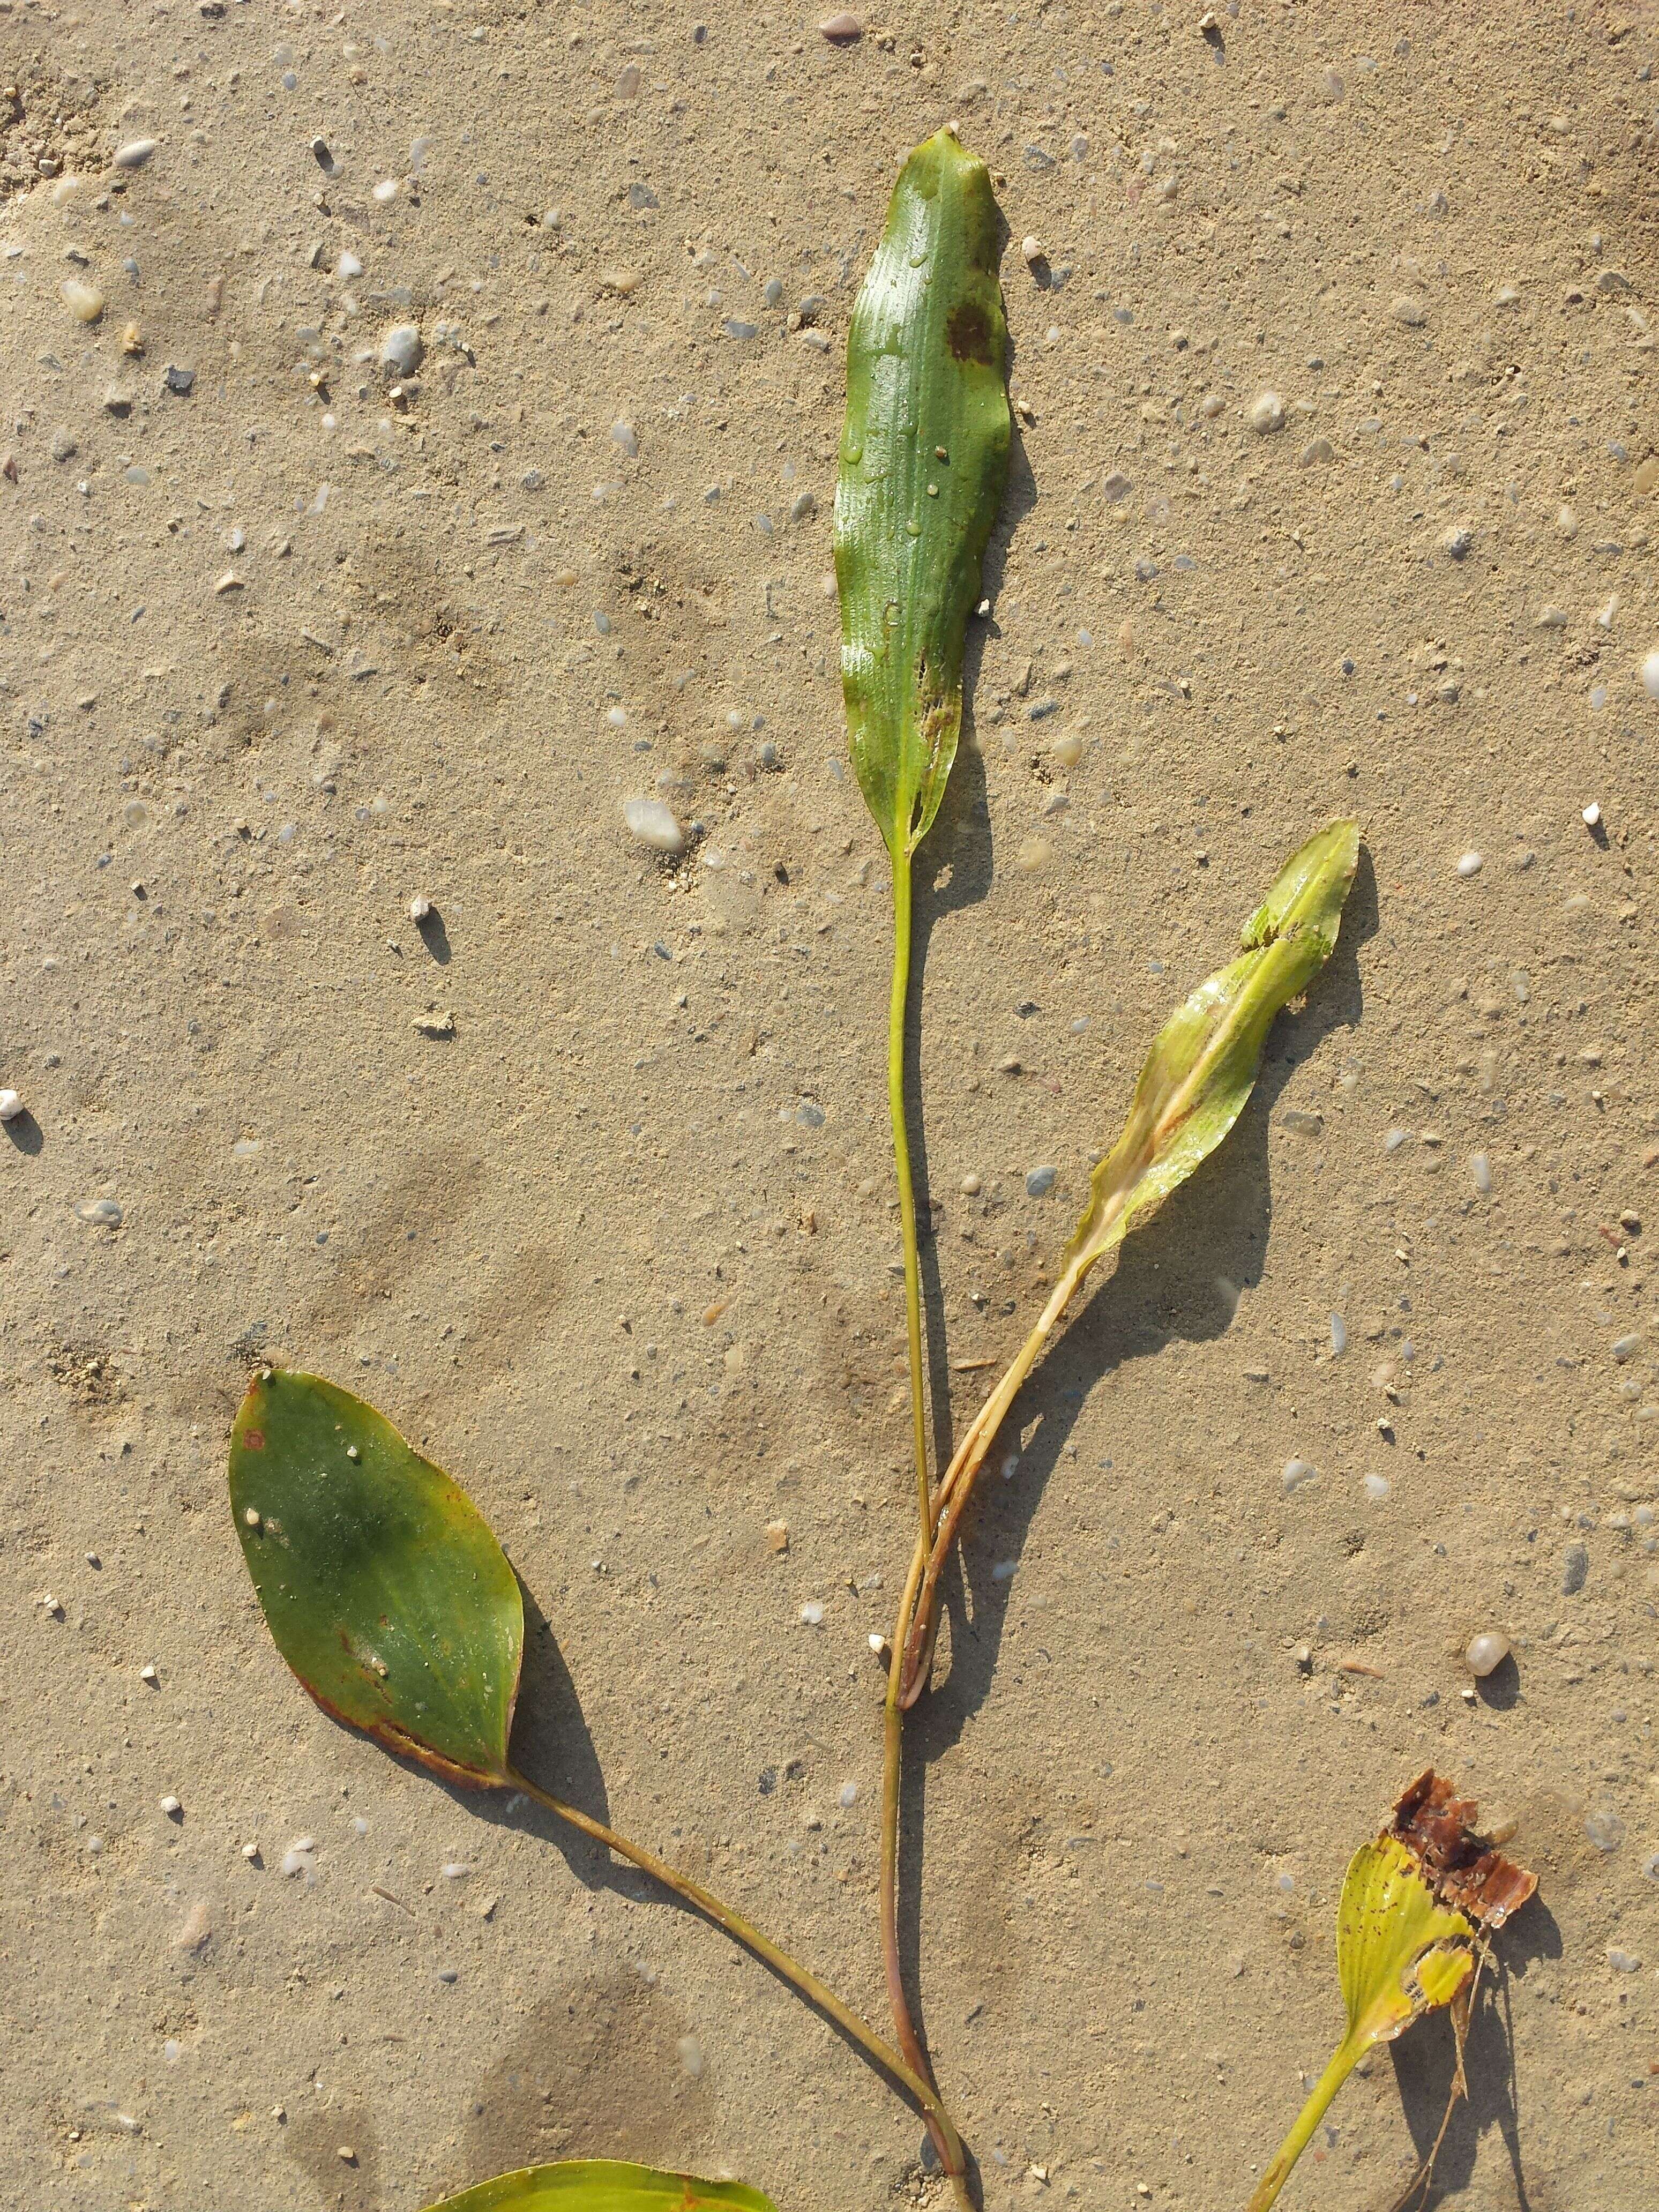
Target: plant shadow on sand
(1425,2061)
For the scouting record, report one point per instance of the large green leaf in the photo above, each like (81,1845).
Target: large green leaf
(923,458)
(1400,1952)
(601,2185)
(382,1583)
(1202,1066)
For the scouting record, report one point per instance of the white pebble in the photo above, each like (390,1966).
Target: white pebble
(1299,1473)
(1339,1336)
(1031,251)
(691,2056)
(419,907)
(1592,816)
(401,350)
(849,1793)
(169,1805)
(1486,1653)
(250,1851)
(457,1870)
(384,191)
(147,1672)
(10,1105)
(1480,1173)
(1470,864)
(626,439)
(134,153)
(971,1185)
(294,1862)
(654,824)
(84,302)
(1378,1487)
(1267,412)
(1650,674)
(812,1614)
(347,267)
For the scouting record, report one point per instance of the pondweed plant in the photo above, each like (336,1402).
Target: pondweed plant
(383,1586)
(1418,1905)
(387,1594)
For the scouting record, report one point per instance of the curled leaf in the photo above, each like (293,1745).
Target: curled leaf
(1464,1869)
(923,458)
(602,2185)
(1202,1067)
(382,1583)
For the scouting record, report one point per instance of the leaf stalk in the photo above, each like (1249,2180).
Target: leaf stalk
(897,1011)
(910,2077)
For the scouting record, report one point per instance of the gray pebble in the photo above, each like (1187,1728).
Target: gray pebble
(1575,1570)
(178,380)
(401,350)
(810,1114)
(1040,1181)
(1604,1828)
(101,1212)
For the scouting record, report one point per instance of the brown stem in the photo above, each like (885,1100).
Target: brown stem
(898,2003)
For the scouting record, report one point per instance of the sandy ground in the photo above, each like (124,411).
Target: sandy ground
(282,650)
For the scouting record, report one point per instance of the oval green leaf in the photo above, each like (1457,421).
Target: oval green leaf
(381,1582)
(924,456)
(601,2185)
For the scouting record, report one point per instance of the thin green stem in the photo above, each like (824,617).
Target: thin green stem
(898,1009)
(912,2078)
(1347,2055)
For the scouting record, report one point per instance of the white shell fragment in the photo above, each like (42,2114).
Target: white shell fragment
(654,824)
(1486,1653)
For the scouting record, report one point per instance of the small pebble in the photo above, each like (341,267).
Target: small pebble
(654,824)
(812,1614)
(1378,1487)
(419,907)
(1031,251)
(1575,1570)
(1486,1653)
(1299,1473)
(1623,1962)
(971,1185)
(147,1672)
(849,1793)
(1266,412)
(84,302)
(690,2052)
(100,1212)
(1409,311)
(841,30)
(1480,1173)
(1470,864)
(134,153)
(1650,674)
(169,1805)
(1604,1829)
(401,350)
(11,1105)
(1339,1336)
(1040,1181)
(181,381)
(1458,542)
(1592,816)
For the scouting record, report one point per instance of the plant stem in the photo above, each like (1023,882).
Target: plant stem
(897,1006)
(1307,2120)
(913,2078)
(956,1487)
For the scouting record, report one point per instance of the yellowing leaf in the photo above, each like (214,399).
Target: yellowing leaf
(923,458)
(603,2184)
(1203,1065)
(1399,1953)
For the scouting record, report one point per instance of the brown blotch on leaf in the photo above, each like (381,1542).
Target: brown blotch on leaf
(1464,1870)
(969,332)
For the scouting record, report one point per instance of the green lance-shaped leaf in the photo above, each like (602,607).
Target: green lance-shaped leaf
(383,1585)
(923,458)
(1202,1067)
(1197,1077)
(603,2184)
